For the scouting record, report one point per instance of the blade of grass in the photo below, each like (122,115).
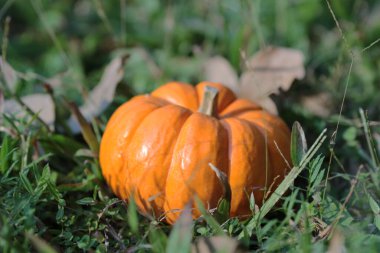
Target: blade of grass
(40,244)
(223,210)
(369,139)
(285,184)
(102,15)
(5,8)
(38,8)
(4,44)
(180,237)
(211,221)
(133,220)
(157,239)
(3,155)
(298,145)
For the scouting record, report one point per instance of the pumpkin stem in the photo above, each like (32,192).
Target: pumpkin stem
(209,102)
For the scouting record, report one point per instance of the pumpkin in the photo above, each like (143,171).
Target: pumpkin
(157,149)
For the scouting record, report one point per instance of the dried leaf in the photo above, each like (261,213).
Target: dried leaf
(268,104)
(56,80)
(216,244)
(298,145)
(101,96)
(40,104)
(269,70)
(218,69)
(10,75)
(337,243)
(224,205)
(223,179)
(319,104)
(376,136)
(87,132)
(266,73)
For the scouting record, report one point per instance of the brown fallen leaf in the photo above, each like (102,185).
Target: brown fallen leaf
(266,72)
(337,243)
(376,136)
(41,104)
(271,69)
(216,244)
(268,104)
(101,96)
(86,129)
(218,69)
(9,74)
(56,81)
(319,104)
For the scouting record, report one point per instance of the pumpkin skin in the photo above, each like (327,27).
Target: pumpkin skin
(157,148)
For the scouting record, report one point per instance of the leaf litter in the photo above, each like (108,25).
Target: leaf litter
(43,105)
(102,95)
(265,73)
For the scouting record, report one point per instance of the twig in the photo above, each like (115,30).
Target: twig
(338,26)
(256,22)
(102,15)
(367,133)
(331,228)
(37,6)
(282,155)
(123,6)
(371,45)
(100,215)
(335,133)
(5,8)
(115,236)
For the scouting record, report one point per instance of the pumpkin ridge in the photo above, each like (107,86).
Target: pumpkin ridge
(275,153)
(174,148)
(196,178)
(118,180)
(269,166)
(141,183)
(132,133)
(109,136)
(263,132)
(228,130)
(245,176)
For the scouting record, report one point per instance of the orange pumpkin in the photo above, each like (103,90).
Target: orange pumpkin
(157,148)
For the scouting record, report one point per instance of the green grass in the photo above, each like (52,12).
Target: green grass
(52,195)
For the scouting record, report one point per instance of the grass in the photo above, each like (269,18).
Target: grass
(52,195)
